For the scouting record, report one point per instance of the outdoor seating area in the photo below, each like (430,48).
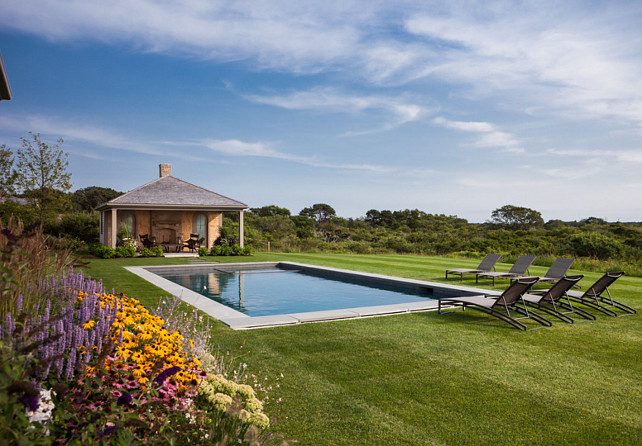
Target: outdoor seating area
(167,212)
(558,269)
(501,306)
(486,265)
(557,301)
(594,297)
(519,269)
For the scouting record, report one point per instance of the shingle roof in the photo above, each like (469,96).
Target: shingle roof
(5,89)
(171,191)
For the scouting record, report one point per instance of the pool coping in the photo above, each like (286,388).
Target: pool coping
(240,321)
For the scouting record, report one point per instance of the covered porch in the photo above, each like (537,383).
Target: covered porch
(168,211)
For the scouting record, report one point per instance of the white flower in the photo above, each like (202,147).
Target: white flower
(45,408)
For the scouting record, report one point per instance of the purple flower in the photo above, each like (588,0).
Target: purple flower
(124,399)
(162,376)
(108,430)
(31,402)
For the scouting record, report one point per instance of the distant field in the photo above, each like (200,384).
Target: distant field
(424,378)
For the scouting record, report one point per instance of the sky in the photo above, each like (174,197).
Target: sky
(449,107)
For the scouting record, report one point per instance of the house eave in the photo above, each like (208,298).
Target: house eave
(5,89)
(170,207)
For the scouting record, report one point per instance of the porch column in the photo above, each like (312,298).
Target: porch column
(114,227)
(241,244)
(101,228)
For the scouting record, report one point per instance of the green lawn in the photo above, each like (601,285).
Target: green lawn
(424,378)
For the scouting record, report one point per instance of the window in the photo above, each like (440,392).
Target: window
(128,219)
(200,225)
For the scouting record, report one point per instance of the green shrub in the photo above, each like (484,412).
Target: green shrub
(125,251)
(102,251)
(146,252)
(156,251)
(81,225)
(595,245)
(203,251)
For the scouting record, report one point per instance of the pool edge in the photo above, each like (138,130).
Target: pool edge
(240,321)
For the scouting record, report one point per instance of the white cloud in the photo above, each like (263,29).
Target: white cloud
(77,133)
(71,130)
(603,157)
(333,101)
(261,149)
(580,62)
(580,59)
(489,135)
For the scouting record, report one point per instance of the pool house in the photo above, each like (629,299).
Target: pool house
(168,210)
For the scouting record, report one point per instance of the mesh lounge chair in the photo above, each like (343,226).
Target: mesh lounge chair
(501,306)
(555,299)
(519,269)
(486,265)
(593,297)
(558,269)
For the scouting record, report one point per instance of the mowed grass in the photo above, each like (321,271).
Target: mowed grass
(424,378)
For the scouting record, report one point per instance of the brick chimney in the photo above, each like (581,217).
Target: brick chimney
(165,170)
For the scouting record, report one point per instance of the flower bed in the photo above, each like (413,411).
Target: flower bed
(103,367)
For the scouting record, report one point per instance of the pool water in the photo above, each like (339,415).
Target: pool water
(273,291)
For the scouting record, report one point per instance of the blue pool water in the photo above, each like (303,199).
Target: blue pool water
(273,291)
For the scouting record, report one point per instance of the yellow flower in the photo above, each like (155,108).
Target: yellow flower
(88,325)
(118,324)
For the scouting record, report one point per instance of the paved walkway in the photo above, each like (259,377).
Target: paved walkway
(181,254)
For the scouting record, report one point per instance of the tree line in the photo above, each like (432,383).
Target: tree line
(35,186)
(510,230)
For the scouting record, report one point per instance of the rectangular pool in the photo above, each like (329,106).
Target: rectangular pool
(276,290)
(250,295)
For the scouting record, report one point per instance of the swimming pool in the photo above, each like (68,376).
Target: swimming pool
(276,290)
(252,295)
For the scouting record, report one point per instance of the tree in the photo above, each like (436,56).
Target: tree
(42,171)
(304,226)
(270,211)
(320,212)
(7,174)
(373,217)
(516,217)
(89,198)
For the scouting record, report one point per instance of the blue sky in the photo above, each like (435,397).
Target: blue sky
(450,107)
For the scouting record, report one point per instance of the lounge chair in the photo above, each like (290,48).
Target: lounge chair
(555,299)
(558,269)
(593,297)
(519,269)
(501,306)
(486,265)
